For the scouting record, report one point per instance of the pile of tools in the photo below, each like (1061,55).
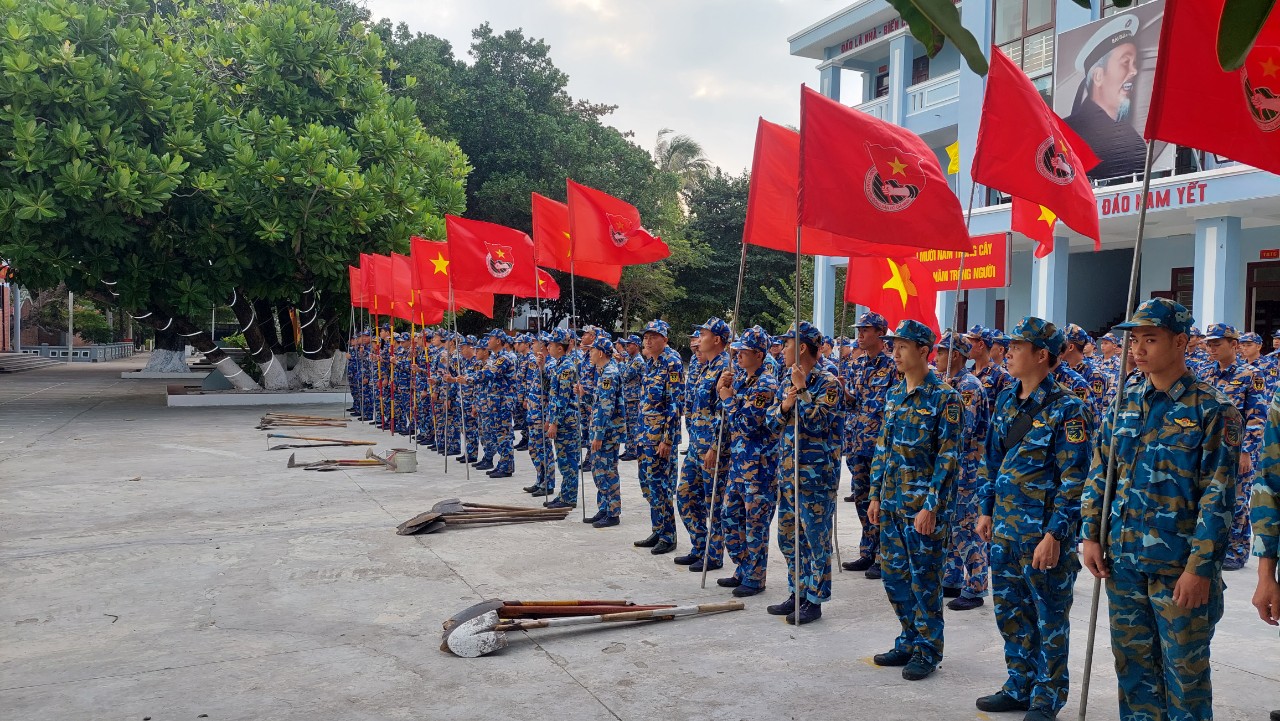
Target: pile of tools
(316,442)
(453,513)
(371,460)
(481,629)
(291,420)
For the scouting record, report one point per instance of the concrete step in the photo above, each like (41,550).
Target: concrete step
(18,362)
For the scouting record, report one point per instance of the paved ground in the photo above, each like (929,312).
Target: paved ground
(160,563)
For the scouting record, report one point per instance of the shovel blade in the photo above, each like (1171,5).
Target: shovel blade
(476,638)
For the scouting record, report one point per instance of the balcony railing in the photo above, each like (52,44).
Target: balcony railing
(878,108)
(933,92)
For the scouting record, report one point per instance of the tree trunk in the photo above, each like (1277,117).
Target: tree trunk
(274,375)
(262,309)
(170,354)
(315,367)
(287,344)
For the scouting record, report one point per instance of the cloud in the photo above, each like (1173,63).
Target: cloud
(705,68)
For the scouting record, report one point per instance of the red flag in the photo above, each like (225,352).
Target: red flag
(430,264)
(1036,222)
(607,230)
(382,284)
(355,280)
(864,178)
(490,257)
(896,288)
(552,247)
(1025,150)
(772,202)
(401,283)
(548,288)
(1197,104)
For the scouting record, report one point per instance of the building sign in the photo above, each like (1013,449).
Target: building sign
(1269,254)
(986,267)
(1178,196)
(874,33)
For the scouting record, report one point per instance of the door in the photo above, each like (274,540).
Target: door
(1262,298)
(1000,314)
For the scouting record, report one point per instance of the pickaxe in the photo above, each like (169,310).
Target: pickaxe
(486,632)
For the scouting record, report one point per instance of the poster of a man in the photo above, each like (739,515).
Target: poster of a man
(1103,72)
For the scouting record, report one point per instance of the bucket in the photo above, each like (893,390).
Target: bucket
(403,460)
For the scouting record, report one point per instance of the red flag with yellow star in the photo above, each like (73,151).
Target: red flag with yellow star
(552,244)
(1036,222)
(1025,150)
(431,279)
(896,288)
(1194,102)
(548,288)
(489,257)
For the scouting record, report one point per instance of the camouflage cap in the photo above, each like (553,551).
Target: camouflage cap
(1221,331)
(808,334)
(1110,337)
(753,338)
(657,326)
(1251,338)
(632,339)
(1039,333)
(603,343)
(999,338)
(871,319)
(1160,313)
(1076,334)
(1194,332)
(977,332)
(954,341)
(561,336)
(914,331)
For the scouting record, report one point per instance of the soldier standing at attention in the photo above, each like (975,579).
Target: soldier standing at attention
(632,368)
(693,495)
(1074,357)
(813,395)
(912,482)
(606,425)
(1251,353)
(1266,522)
(1177,448)
(992,374)
(868,387)
(1037,458)
(750,493)
(964,577)
(1245,387)
(661,397)
(534,401)
(562,418)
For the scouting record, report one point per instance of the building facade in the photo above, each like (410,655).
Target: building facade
(1212,237)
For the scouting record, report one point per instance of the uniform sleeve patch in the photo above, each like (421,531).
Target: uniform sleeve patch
(953,412)
(760,400)
(606,383)
(675,377)
(832,394)
(1259,384)
(1075,430)
(1099,387)
(1232,432)
(1082,393)
(967,397)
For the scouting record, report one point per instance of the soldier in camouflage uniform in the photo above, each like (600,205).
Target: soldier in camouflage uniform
(534,402)
(1266,521)
(811,395)
(1110,365)
(632,367)
(661,397)
(913,481)
(1197,356)
(562,418)
(991,374)
(964,577)
(606,427)
(1245,387)
(465,398)
(1177,448)
(1095,380)
(1037,459)
(1251,353)
(693,495)
(867,388)
(749,446)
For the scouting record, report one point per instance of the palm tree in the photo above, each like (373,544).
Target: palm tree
(681,155)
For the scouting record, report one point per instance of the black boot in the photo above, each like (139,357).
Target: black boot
(807,613)
(663,547)
(784,608)
(649,542)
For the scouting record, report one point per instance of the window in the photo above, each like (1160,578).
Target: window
(882,85)
(1023,30)
(1182,285)
(920,70)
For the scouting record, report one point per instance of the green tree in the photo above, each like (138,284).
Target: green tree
(682,156)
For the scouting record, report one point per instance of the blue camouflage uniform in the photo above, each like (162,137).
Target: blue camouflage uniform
(468,401)
(564,413)
(607,425)
(499,377)
(1246,388)
(993,376)
(820,424)
(694,492)
(661,396)
(1266,487)
(915,469)
(1094,379)
(750,491)
(1267,365)
(632,368)
(1176,456)
(966,564)
(868,389)
(533,373)
(1031,490)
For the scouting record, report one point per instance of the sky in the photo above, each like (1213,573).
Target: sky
(704,68)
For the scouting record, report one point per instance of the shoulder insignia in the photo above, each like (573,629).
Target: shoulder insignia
(882,372)
(953,412)
(1075,430)
(1258,383)
(760,400)
(1082,393)
(1099,387)
(1037,424)
(605,383)
(967,397)
(1185,422)
(1232,432)
(1235,381)
(674,377)
(924,411)
(832,394)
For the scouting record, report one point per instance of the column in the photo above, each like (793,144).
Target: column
(899,67)
(1049,283)
(1219,285)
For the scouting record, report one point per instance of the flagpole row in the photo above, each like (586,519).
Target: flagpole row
(1109,490)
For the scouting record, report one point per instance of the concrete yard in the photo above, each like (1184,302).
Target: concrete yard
(158,562)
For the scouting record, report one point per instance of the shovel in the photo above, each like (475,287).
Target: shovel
(487,632)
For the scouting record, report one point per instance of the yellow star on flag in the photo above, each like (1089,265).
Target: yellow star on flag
(897,166)
(1048,216)
(901,282)
(1269,67)
(542,282)
(500,254)
(440,263)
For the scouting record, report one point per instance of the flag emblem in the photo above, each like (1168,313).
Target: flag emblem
(1261,78)
(894,180)
(620,229)
(499,260)
(1053,163)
